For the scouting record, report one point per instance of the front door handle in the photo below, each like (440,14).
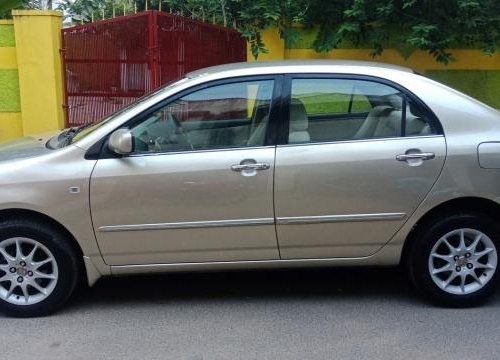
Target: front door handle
(250,166)
(415,156)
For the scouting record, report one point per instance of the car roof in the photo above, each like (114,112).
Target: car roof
(292,66)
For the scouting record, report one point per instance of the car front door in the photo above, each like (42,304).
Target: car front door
(361,156)
(199,185)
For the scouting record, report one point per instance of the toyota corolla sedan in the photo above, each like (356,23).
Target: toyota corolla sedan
(264,165)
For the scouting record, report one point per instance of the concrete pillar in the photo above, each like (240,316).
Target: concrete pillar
(38,41)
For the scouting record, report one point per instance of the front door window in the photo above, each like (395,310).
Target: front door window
(232,115)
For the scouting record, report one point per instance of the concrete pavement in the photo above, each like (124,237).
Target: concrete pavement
(299,314)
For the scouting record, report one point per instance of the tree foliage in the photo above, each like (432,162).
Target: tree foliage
(435,26)
(204,10)
(431,25)
(6,6)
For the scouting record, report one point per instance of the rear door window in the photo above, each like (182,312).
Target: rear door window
(328,109)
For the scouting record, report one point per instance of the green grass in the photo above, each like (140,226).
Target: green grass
(321,103)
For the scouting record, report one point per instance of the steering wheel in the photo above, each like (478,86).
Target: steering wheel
(161,141)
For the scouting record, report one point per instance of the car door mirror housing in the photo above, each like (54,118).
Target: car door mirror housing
(121,142)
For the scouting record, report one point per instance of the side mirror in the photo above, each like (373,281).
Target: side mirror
(121,142)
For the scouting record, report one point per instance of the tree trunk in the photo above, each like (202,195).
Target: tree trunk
(223,6)
(49,4)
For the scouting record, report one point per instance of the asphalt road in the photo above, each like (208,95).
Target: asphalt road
(307,314)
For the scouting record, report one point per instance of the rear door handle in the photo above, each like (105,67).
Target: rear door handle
(416,156)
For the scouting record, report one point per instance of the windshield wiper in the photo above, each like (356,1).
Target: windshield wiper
(67,136)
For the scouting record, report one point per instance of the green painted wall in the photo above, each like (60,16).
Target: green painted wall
(7,37)
(9,91)
(483,85)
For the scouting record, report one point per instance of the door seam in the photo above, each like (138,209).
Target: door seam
(274,204)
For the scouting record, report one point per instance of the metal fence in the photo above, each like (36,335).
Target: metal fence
(110,63)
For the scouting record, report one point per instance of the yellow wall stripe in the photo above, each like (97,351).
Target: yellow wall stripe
(466,59)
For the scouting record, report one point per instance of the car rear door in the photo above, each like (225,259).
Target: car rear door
(345,190)
(199,186)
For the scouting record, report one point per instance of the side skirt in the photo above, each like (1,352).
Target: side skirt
(389,257)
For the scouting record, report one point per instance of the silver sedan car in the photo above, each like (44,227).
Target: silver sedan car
(264,165)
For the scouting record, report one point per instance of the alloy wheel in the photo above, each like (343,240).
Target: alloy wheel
(463,261)
(28,271)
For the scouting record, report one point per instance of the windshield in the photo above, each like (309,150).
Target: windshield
(74,134)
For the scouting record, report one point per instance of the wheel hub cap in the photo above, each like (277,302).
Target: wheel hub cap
(462,261)
(22,272)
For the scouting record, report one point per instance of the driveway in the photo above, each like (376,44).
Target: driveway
(299,314)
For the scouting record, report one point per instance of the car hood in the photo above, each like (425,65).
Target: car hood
(25,147)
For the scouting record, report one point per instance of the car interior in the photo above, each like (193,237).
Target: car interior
(383,120)
(220,123)
(193,125)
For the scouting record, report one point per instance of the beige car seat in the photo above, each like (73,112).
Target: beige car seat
(299,123)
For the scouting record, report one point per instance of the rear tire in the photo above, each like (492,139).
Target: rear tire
(454,259)
(38,269)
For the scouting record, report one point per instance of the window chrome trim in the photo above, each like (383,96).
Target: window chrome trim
(188,225)
(393,138)
(291,220)
(134,155)
(252,222)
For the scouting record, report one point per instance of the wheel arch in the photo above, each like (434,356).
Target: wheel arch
(18,213)
(463,204)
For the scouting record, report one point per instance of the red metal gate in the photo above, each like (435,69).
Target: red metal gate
(110,63)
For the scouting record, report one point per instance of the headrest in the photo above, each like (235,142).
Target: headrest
(415,110)
(299,137)
(298,116)
(396,101)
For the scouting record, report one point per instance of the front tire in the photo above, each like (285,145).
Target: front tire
(38,269)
